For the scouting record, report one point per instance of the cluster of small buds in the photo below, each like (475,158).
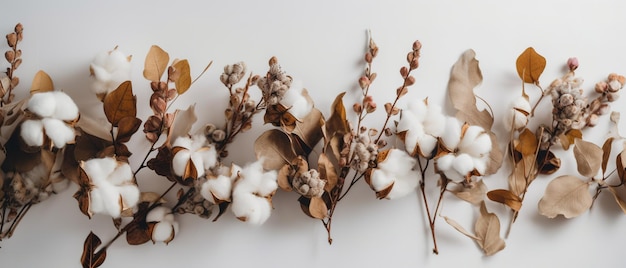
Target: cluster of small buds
(610,92)
(365,152)
(233,74)
(14,57)
(159,121)
(213,134)
(309,183)
(569,104)
(366,80)
(368,104)
(275,84)
(196,204)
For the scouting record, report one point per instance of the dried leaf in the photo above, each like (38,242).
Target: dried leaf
(620,202)
(566,195)
(620,165)
(506,197)
(155,64)
(569,137)
(550,164)
(527,143)
(283,177)
(275,147)
(327,172)
(120,103)
(474,193)
(41,83)
(126,127)
(310,129)
(530,65)
(460,228)
(162,163)
(588,158)
(337,123)
(487,230)
(317,208)
(90,258)
(606,153)
(184,76)
(183,121)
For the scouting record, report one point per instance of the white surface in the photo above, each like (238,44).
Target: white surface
(322,43)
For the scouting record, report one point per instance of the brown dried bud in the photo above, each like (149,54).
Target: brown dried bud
(273,61)
(9,55)
(409,57)
(373,132)
(604,109)
(357,108)
(364,82)
(362,129)
(404,71)
(381,143)
(611,97)
(17,63)
(12,40)
(372,77)
(414,64)
(19,28)
(368,57)
(388,132)
(401,91)
(218,135)
(417,45)
(409,81)
(593,120)
(208,129)
(572,63)
(601,87)
(157,104)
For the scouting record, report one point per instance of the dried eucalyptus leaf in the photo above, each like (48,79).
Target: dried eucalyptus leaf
(506,197)
(620,165)
(566,195)
(569,137)
(460,228)
(530,65)
(487,230)
(155,64)
(606,153)
(283,178)
(120,103)
(182,124)
(275,147)
(90,257)
(548,162)
(41,83)
(184,76)
(527,143)
(126,127)
(327,172)
(474,193)
(317,208)
(588,158)
(337,122)
(310,129)
(620,201)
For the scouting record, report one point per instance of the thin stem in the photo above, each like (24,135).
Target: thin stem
(393,105)
(19,218)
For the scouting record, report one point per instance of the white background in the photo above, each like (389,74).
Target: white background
(322,43)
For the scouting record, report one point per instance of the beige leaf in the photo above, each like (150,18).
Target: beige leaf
(569,137)
(460,228)
(275,147)
(620,165)
(566,195)
(155,64)
(620,201)
(183,121)
(487,230)
(310,128)
(184,76)
(474,193)
(530,65)
(327,172)
(466,75)
(318,208)
(41,83)
(588,157)
(606,152)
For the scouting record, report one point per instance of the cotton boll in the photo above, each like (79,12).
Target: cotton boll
(96,204)
(43,104)
(480,146)
(198,162)
(110,69)
(251,208)
(480,165)
(110,199)
(435,121)
(184,142)
(32,132)
(59,133)
(179,162)
(515,117)
(463,164)
(452,135)
(293,99)
(427,145)
(380,180)
(65,109)
(162,231)
(217,188)
(122,173)
(268,185)
(396,169)
(157,214)
(419,109)
(445,162)
(98,169)
(130,195)
(403,186)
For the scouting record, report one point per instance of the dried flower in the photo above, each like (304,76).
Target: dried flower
(110,69)
(54,109)
(113,189)
(394,177)
(196,151)
(218,187)
(468,148)
(572,64)
(365,152)
(252,194)
(517,116)
(233,74)
(570,107)
(420,124)
(308,183)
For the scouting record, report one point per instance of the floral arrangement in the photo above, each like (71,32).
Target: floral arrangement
(48,144)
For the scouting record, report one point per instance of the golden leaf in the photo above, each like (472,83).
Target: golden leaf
(588,158)
(566,195)
(327,172)
(155,64)
(41,83)
(506,197)
(184,76)
(487,230)
(530,65)
(310,129)
(120,103)
(283,178)
(126,127)
(568,138)
(317,208)
(527,144)
(606,152)
(275,147)
(90,257)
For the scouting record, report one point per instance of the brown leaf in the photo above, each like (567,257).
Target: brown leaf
(327,172)
(155,64)
(41,83)
(184,76)
(182,124)
(569,137)
(506,197)
(566,195)
(606,153)
(90,257)
(337,123)
(89,146)
(317,208)
(120,103)
(530,65)
(460,228)
(283,177)
(527,143)
(310,128)
(162,163)
(83,194)
(620,201)
(275,147)
(548,162)
(517,178)
(474,193)
(126,127)
(620,165)
(487,230)
(588,158)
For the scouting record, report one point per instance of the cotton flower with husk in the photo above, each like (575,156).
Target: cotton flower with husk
(162,224)
(252,193)
(464,151)
(112,186)
(420,124)
(394,176)
(52,115)
(109,69)
(192,157)
(518,114)
(218,187)
(296,101)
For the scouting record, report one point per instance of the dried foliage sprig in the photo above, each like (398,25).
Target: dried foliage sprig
(47,143)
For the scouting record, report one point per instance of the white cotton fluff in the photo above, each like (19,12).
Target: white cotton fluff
(220,188)
(293,99)
(471,154)
(112,182)
(514,117)
(165,226)
(59,133)
(251,193)
(66,108)
(423,124)
(32,132)
(43,104)
(396,169)
(452,134)
(202,156)
(110,69)
(475,142)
